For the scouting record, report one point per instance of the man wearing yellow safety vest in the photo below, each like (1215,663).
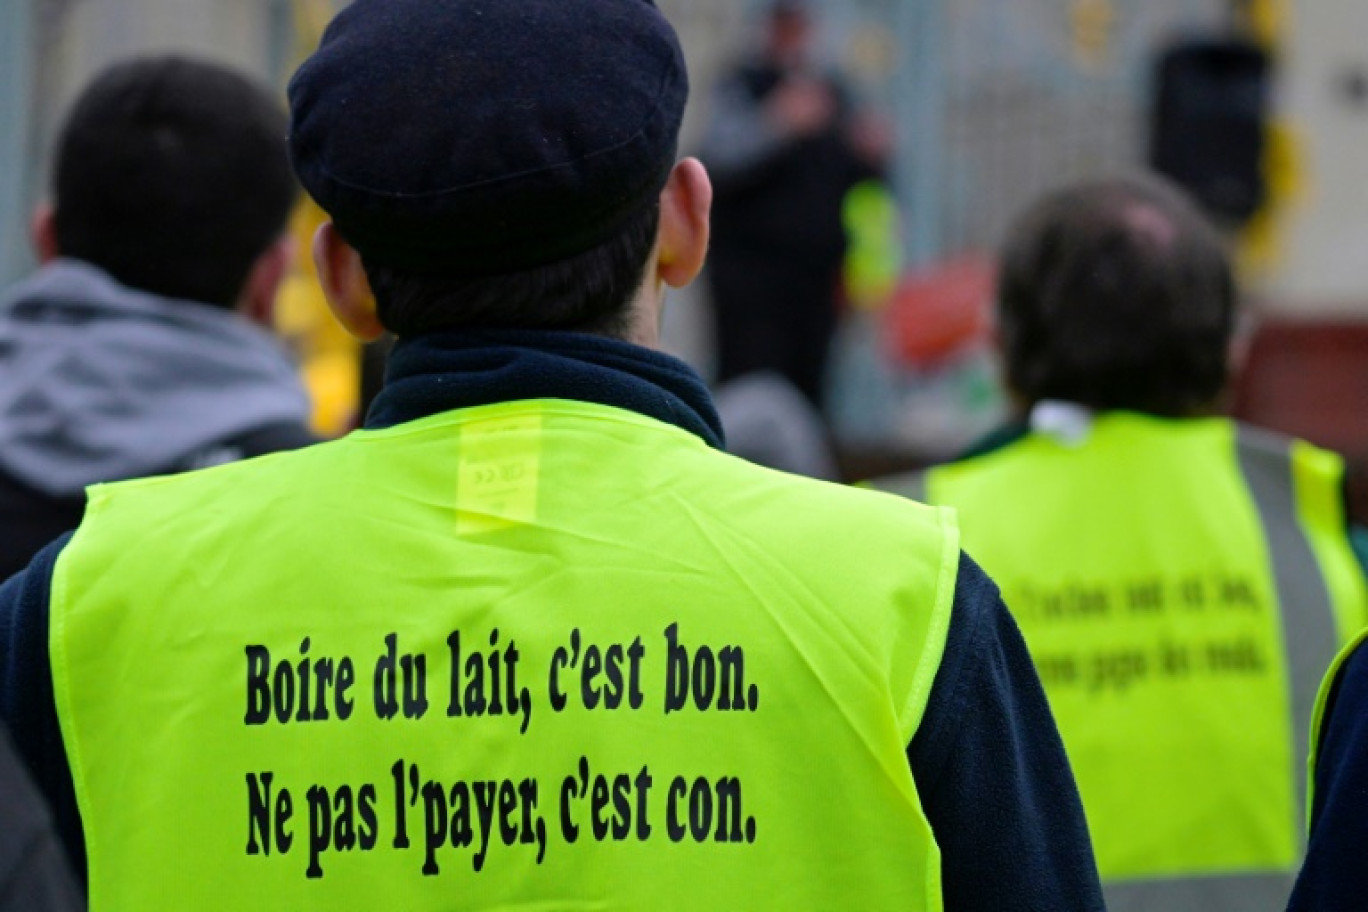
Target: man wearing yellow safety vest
(529,639)
(1180,579)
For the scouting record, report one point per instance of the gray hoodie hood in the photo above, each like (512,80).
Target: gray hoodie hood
(99,382)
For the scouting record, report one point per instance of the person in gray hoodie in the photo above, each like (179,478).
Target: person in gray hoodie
(141,345)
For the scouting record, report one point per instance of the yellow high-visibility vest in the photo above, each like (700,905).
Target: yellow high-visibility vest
(541,654)
(1318,716)
(1181,586)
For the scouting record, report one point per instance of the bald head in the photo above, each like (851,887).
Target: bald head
(1117,295)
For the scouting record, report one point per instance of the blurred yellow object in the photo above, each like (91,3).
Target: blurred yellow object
(1260,244)
(874,244)
(1091,23)
(1268,20)
(330,359)
(311,17)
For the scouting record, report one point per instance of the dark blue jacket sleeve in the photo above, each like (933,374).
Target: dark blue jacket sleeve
(26,701)
(1334,875)
(991,771)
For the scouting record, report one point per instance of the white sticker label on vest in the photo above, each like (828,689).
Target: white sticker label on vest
(496,485)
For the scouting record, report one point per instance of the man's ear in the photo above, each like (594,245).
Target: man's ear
(345,284)
(258,299)
(685,211)
(43,233)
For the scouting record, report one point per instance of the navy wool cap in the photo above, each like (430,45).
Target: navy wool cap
(480,137)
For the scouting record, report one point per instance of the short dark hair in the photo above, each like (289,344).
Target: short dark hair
(789,10)
(1117,295)
(589,292)
(171,175)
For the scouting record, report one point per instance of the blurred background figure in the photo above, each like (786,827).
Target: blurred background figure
(1259,108)
(1182,580)
(784,147)
(142,344)
(768,422)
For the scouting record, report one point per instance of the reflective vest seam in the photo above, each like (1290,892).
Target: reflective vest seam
(58,619)
(1307,629)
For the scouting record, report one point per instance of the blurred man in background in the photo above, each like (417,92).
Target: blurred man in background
(142,345)
(1181,580)
(784,148)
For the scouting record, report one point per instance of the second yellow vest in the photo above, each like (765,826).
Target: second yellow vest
(1181,585)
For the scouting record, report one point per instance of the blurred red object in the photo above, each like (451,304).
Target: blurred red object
(1309,379)
(937,312)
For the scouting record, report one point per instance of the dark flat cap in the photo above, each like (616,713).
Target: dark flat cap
(477,137)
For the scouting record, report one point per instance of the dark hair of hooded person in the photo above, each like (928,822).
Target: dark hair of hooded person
(589,292)
(172,176)
(1117,295)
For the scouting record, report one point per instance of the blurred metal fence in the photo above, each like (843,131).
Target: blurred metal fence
(997,101)
(16,43)
(994,100)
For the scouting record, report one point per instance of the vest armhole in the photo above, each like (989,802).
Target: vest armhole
(59,596)
(937,628)
(1318,718)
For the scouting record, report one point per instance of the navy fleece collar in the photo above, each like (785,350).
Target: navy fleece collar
(444,371)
